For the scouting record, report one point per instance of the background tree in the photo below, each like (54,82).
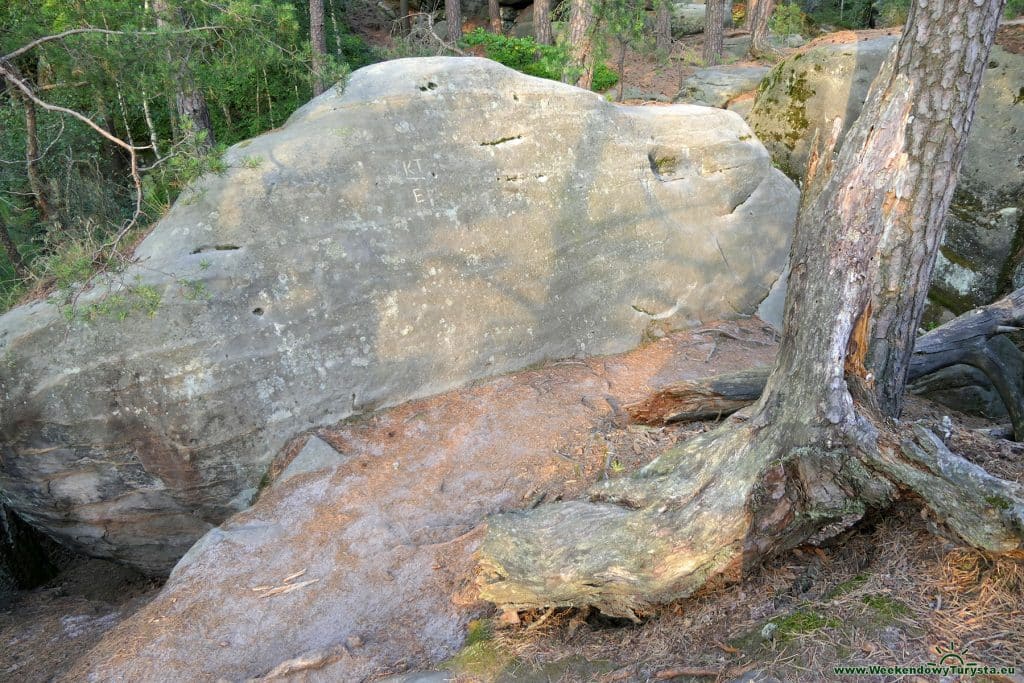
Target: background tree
(190,100)
(579,69)
(760,47)
(663,26)
(713,35)
(807,460)
(542,21)
(318,43)
(494,16)
(453,16)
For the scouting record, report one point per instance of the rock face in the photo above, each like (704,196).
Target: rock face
(366,560)
(437,221)
(690,18)
(716,86)
(980,253)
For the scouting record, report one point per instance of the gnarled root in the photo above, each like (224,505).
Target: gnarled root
(724,501)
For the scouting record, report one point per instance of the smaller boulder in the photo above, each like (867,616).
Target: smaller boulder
(716,86)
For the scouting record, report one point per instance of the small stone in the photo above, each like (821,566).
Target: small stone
(768,630)
(509,617)
(354,642)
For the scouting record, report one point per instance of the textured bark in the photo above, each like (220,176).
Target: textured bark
(494,15)
(916,207)
(963,340)
(748,14)
(32,156)
(542,22)
(705,399)
(759,45)
(579,68)
(803,463)
(663,27)
(318,41)
(713,36)
(453,15)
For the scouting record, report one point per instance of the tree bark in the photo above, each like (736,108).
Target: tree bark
(963,340)
(190,102)
(713,36)
(318,41)
(748,14)
(453,15)
(760,47)
(663,27)
(542,22)
(803,463)
(579,68)
(916,208)
(403,17)
(494,16)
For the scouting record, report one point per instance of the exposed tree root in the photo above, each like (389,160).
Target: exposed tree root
(724,501)
(963,340)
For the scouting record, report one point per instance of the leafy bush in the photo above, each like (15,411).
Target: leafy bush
(527,56)
(1014,8)
(788,19)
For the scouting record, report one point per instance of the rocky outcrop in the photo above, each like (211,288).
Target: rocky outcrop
(364,562)
(981,250)
(434,222)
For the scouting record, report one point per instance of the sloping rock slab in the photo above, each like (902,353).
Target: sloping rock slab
(435,222)
(378,550)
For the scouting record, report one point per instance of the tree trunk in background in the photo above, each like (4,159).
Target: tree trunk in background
(542,22)
(189,100)
(759,45)
(318,41)
(35,177)
(713,36)
(579,69)
(748,14)
(804,463)
(494,16)
(403,17)
(13,255)
(663,27)
(453,15)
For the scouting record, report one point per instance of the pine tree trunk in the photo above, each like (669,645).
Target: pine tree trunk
(748,14)
(916,207)
(494,16)
(403,17)
(804,462)
(759,45)
(318,41)
(542,22)
(713,36)
(663,27)
(579,69)
(453,15)
(190,102)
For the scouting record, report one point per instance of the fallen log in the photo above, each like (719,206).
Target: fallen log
(963,340)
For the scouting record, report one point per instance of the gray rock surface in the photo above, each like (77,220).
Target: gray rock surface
(980,254)
(716,86)
(436,221)
(690,18)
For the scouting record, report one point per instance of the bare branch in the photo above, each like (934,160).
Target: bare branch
(75,31)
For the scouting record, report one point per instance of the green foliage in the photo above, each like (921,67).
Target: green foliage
(249,59)
(525,55)
(1013,9)
(788,19)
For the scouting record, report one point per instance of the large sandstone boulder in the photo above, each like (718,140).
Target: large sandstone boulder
(433,222)
(716,86)
(980,253)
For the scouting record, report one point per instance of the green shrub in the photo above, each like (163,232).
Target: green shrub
(788,19)
(527,56)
